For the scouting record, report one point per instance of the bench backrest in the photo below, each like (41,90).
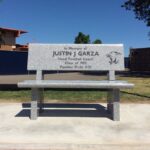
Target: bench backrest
(75,57)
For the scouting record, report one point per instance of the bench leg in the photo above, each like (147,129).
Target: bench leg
(34,103)
(109,102)
(116,105)
(41,100)
(113,104)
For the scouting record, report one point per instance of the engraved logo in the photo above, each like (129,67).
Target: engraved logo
(113,57)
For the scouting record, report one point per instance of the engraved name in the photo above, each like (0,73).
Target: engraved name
(75,53)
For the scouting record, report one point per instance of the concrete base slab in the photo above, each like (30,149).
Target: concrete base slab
(73,147)
(71,132)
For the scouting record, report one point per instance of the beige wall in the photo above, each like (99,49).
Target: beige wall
(6,47)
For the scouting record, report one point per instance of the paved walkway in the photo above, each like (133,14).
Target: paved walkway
(14,79)
(75,127)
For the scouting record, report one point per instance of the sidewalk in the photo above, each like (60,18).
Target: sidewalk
(14,79)
(72,132)
(10,81)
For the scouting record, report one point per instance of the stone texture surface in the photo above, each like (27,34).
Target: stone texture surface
(76,57)
(75,133)
(75,84)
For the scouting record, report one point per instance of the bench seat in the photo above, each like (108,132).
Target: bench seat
(85,84)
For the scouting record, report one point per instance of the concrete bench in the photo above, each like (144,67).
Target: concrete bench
(76,57)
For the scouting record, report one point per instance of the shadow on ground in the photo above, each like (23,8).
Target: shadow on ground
(135,94)
(67,110)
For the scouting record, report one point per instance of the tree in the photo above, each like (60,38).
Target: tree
(141,9)
(97,41)
(82,39)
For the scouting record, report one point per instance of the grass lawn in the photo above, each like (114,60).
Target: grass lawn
(140,93)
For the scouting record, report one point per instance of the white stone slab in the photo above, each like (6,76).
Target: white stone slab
(76,57)
(86,84)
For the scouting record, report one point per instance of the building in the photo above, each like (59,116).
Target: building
(140,59)
(8,39)
(13,57)
(126,62)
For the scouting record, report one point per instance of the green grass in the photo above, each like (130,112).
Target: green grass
(75,96)
(140,93)
(141,90)
(54,95)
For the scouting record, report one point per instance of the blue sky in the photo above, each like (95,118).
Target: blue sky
(59,21)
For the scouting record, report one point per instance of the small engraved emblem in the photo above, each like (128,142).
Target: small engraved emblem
(113,57)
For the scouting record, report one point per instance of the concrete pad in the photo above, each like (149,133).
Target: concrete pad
(73,129)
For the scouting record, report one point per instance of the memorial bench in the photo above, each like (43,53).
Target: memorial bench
(76,57)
